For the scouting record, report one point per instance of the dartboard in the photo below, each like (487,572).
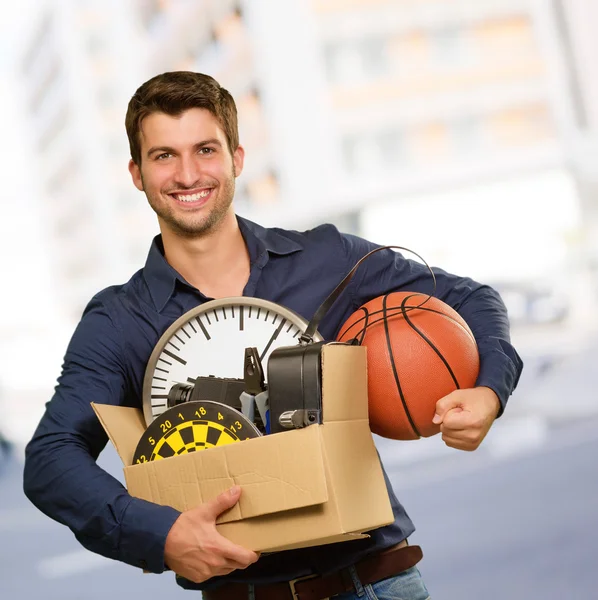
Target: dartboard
(190,427)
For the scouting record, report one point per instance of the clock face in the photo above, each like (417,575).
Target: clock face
(211,340)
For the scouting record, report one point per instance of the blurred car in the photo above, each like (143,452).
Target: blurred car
(5,450)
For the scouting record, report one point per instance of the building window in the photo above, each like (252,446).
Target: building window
(357,60)
(263,189)
(149,10)
(466,134)
(449,46)
(377,151)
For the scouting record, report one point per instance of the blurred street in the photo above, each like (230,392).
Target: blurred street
(519,527)
(516,519)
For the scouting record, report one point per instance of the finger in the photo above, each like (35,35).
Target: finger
(468,434)
(229,566)
(223,571)
(444,405)
(457,420)
(459,443)
(235,554)
(223,502)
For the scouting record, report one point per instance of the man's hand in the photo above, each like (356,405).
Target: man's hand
(466,416)
(196,551)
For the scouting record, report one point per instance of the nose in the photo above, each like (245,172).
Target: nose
(188,171)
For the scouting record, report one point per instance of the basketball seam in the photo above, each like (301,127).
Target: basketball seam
(432,345)
(400,310)
(394,370)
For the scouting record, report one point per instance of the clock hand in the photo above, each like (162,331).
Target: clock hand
(274,336)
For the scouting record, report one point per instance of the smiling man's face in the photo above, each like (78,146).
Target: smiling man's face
(186,171)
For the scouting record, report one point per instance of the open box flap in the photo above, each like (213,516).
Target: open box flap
(124,427)
(344,383)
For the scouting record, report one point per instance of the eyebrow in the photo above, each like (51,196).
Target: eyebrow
(210,142)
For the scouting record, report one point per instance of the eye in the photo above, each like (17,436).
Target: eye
(163,156)
(206,151)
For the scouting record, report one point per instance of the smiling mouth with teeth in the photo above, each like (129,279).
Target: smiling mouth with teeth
(192,197)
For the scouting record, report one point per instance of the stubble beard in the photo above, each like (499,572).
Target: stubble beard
(194,226)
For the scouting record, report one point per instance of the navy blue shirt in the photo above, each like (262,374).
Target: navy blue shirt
(106,359)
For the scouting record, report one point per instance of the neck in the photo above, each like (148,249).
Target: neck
(215,262)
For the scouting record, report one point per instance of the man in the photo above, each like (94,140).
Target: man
(185,156)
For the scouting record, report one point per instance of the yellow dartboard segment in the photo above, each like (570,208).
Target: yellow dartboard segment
(193,426)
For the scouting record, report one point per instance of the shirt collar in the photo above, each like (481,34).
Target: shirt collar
(161,277)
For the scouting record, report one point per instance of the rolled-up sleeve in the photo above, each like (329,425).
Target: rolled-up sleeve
(61,476)
(480,306)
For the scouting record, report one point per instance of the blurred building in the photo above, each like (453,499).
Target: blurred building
(349,111)
(76,68)
(573,52)
(414,96)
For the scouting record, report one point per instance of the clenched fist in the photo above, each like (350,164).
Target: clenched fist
(466,416)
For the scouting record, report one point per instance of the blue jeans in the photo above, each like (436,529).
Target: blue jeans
(407,585)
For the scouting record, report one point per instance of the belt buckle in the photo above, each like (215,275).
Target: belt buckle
(292,583)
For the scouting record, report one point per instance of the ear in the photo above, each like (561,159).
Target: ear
(136,175)
(238,160)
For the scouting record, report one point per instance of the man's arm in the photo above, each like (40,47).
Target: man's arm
(465,416)
(61,476)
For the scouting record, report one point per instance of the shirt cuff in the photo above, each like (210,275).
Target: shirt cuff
(500,369)
(144,528)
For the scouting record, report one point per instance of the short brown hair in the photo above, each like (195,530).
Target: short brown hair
(175,92)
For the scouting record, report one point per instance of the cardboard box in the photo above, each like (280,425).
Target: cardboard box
(302,487)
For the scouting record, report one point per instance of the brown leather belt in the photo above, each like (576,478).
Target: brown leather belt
(386,564)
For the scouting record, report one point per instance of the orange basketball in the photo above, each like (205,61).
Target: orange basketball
(415,356)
